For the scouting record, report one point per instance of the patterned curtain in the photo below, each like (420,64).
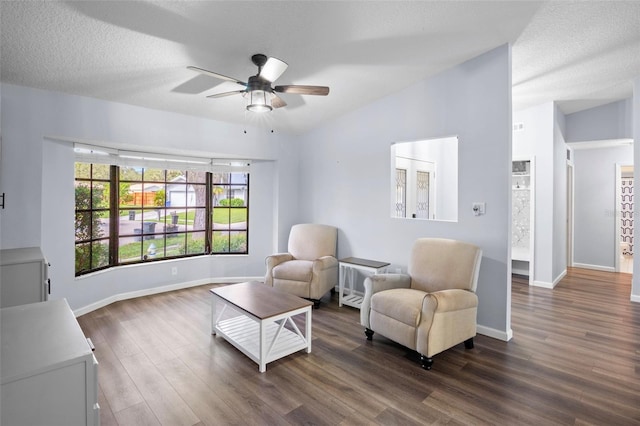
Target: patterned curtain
(626,212)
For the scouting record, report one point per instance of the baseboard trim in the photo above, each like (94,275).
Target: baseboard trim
(494,333)
(162,289)
(594,267)
(543,284)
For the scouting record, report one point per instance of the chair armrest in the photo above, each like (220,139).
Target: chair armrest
(454,300)
(324,262)
(276,259)
(448,317)
(272,261)
(376,283)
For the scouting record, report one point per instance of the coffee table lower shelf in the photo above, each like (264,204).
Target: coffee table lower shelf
(244,333)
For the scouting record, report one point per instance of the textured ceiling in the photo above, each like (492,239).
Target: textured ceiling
(581,54)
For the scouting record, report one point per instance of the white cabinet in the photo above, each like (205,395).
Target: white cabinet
(49,373)
(23,276)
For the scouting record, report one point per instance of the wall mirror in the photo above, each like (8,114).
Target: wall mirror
(424,179)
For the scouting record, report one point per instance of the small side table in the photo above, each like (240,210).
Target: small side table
(348,268)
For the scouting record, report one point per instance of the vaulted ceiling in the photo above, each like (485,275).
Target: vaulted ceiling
(580,54)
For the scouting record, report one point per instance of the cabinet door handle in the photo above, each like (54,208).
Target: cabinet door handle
(49,285)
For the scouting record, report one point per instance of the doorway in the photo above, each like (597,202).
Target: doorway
(522,217)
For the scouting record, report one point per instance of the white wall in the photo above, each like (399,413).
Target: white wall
(537,139)
(595,204)
(345,173)
(36,173)
(611,121)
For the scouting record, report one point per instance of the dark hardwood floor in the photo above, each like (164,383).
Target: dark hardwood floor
(574,359)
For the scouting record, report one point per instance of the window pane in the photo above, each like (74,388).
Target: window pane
(196,177)
(129,220)
(239,218)
(153,248)
(238,242)
(99,224)
(129,250)
(220,242)
(196,219)
(83,257)
(83,170)
(83,226)
(176,176)
(153,194)
(176,245)
(195,242)
(100,196)
(83,195)
(99,254)
(153,175)
(175,220)
(130,173)
(221,217)
(101,171)
(180,195)
(125,194)
(220,178)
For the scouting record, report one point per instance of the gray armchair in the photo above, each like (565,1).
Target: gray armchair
(434,307)
(309,269)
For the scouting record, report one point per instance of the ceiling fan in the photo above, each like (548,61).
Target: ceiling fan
(260,95)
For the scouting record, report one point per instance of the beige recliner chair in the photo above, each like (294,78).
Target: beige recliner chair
(432,308)
(310,268)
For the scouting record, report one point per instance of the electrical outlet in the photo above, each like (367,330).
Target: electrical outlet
(478,208)
(174,270)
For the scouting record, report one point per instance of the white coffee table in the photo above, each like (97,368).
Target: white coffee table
(258,320)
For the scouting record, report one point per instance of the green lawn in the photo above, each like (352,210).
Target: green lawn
(220,215)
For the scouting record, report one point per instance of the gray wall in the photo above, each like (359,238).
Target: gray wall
(611,121)
(345,169)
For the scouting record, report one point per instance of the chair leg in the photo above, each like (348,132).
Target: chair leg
(333,291)
(369,333)
(316,303)
(426,362)
(468,344)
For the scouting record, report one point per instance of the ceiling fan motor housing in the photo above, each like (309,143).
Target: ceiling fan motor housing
(258,83)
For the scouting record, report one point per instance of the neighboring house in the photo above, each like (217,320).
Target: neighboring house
(144,194)
(179,194)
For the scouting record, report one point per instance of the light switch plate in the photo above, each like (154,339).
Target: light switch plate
(478,208)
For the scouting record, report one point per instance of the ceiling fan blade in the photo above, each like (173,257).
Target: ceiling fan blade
(272,69)
(223,94)
(215,75)
(303,90)
(277,102)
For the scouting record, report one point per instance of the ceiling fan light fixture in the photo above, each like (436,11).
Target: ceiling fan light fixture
(259,101)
